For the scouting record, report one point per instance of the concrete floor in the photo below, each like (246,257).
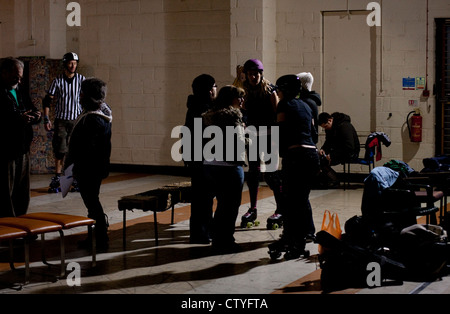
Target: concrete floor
(175,266)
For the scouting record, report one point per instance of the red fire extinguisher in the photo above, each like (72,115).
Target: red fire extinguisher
(415,128)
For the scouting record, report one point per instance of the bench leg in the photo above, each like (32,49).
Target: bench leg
(173,214)
(94,252)
(27,261)
(156,228)
(62,252)
(124,230)
(11,255)
(26,256)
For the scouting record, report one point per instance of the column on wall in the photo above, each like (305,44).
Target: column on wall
(253,32)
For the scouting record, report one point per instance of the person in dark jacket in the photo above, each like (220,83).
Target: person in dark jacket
(341,142)
(224,173)
(300,165)
(19,114)
(259,110)
(204,90)
(89,152)
(313,99)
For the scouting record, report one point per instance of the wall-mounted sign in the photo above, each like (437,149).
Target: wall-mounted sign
(414,83)
(409,83)
(420,83)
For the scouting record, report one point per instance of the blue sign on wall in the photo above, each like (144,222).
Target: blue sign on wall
(409,83)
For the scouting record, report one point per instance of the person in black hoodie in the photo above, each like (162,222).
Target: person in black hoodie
(341,141)
(90,151)
(300,164)
(313,99)
(19,114)
(204,90)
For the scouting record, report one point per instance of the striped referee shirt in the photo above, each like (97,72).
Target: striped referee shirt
(67,91)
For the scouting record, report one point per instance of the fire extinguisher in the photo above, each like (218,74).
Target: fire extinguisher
(415,128)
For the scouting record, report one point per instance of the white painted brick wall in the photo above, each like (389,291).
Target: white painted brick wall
(404,47)
(149,51)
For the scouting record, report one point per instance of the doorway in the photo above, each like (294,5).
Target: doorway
(349,67)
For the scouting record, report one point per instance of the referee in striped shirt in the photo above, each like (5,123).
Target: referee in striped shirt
(65,89)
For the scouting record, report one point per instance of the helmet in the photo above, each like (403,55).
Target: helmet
(253,64)
(289,84)
(70,56)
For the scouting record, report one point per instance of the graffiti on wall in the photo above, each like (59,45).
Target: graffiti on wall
(39,73)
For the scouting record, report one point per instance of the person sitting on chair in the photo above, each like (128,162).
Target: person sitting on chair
(341,142)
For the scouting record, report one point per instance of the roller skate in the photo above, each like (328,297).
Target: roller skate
(248,220)
(74,188)
(291,251)
(55,186)
(275,221)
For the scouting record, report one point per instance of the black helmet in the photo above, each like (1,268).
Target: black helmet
(70,56)
(290,85)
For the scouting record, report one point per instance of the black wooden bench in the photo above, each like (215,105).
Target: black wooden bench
(157,200)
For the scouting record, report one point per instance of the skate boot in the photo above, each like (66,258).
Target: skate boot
(74,187)
(248,220)
(55,186)
(275,221)
(295,252)
(291,251)
(277,248)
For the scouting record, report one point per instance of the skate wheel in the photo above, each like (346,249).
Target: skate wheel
(249,224)
(257,223)
(275,227)
(274,255)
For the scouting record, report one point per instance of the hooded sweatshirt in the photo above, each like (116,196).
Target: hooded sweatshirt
(314,101)
(196,107)
(341,141)
(90,143)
